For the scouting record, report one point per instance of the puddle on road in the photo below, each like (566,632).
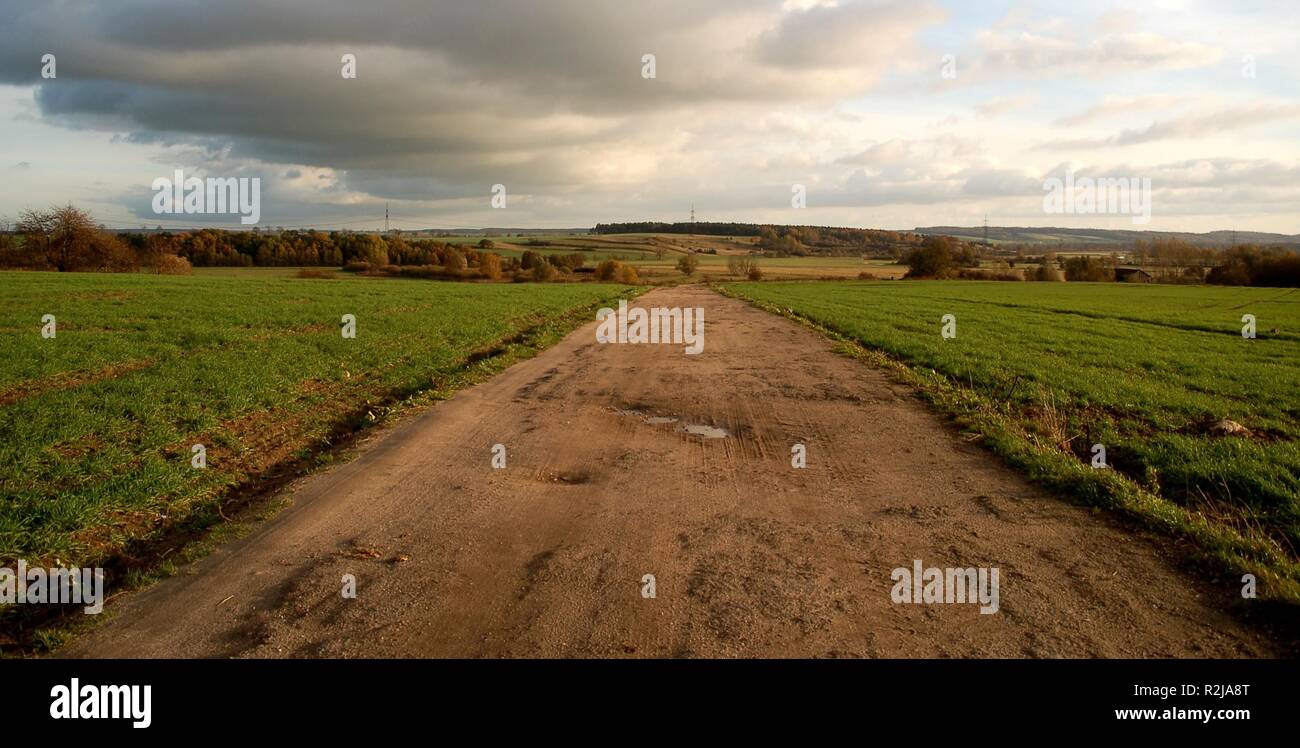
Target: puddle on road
(708,432)
(698,429)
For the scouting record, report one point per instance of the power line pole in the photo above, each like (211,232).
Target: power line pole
(986,229)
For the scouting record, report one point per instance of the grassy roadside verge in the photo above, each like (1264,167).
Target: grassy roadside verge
(1012,428)
(257,371)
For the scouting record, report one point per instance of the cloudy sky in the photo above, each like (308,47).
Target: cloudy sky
(851,99)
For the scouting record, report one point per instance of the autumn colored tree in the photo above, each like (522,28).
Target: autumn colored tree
(489,265)
(544,272)
(741,264)
(627,274)
(66,238)
(607,270)
(531,259)
(454,262)
(61,236)
(374,251)
(933,259)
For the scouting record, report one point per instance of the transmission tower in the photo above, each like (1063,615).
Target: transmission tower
(692,212)
(386,218)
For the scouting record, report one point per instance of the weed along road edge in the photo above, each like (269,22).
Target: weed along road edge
(650,505)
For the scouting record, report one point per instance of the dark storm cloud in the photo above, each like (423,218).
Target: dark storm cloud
(513,91)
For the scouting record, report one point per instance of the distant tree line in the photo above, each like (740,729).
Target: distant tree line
(703,228)
(1164,260)
(1255,266)
(214,247)
(1177,260)
(66,239)
(785,241)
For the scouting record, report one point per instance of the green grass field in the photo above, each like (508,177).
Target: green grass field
(593,256)
(97,424)
(249,272)
(1045,371)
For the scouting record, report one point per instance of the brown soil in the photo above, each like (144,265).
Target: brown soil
(751,556)
(69,380)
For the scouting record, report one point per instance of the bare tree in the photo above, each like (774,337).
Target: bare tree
(158,249)
(37,227)
(741,265)
(687,264)
(62,236)
(67,239)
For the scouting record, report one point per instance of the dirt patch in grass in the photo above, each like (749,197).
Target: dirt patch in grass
(101,295)
(83,446)
(314,328)
(68,380)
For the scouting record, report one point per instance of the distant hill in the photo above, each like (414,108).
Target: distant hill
(521,232)
(1052,235)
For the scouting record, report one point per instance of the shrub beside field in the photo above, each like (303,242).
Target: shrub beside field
(97,424)
(1161,376)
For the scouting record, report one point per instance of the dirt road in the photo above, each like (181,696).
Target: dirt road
(751,556)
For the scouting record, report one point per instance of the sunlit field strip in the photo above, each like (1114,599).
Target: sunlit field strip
(1136,369)
(96,424)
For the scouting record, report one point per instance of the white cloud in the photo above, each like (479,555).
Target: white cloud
(547,98)
(1188,126)
(1000,105)
(1114,106)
